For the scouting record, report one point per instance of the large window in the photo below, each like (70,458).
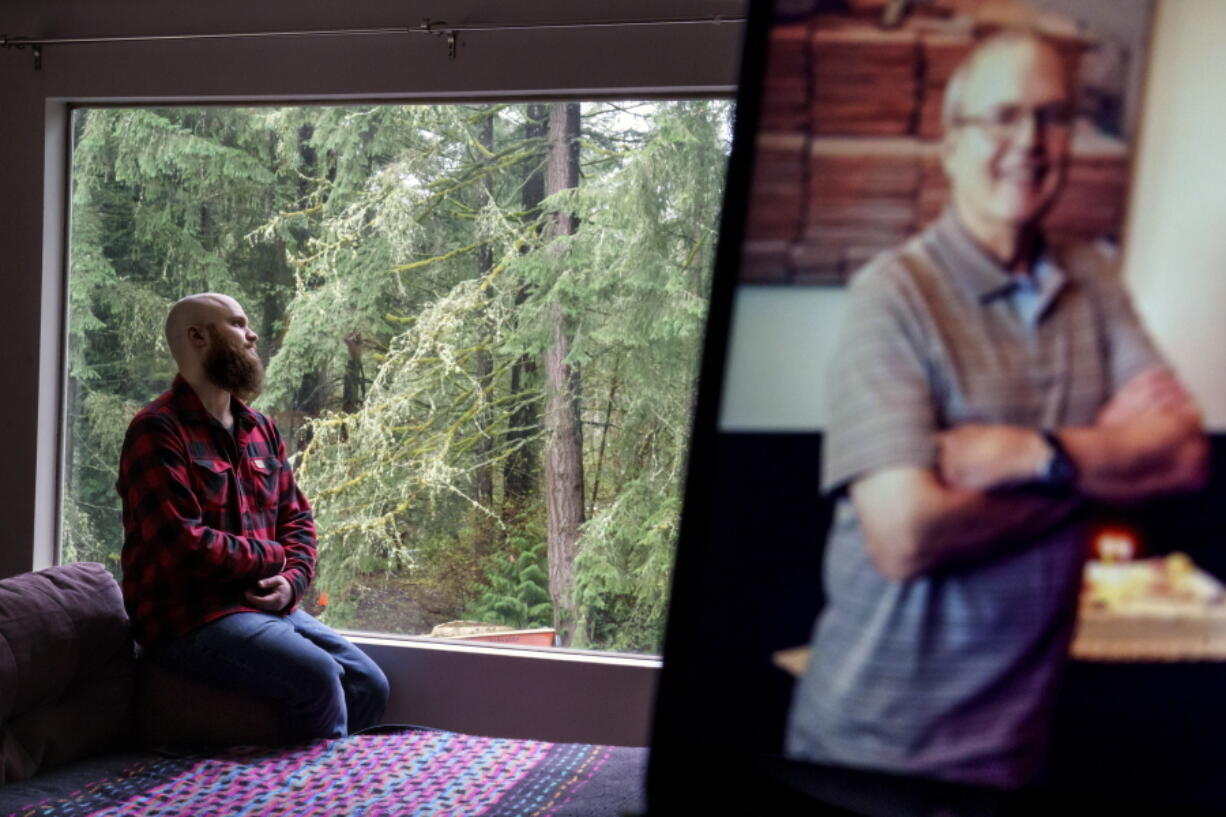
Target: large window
(481,325)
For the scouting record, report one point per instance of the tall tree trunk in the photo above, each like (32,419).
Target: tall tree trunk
(521,468)
(484,476)
(604,435)
(308,399)
(353,389)
(563,432)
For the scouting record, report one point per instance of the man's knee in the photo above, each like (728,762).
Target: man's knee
(368,693)
(317,675)
(319,710)
(375,686)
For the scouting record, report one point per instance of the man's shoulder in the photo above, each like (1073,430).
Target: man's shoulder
(154,428)
(158,413)
(907,260)
(905,271)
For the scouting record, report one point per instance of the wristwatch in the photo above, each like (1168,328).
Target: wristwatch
(1059,472)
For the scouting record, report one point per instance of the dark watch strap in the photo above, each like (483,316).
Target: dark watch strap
(1061,471)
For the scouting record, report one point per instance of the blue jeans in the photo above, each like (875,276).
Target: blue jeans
(325,686)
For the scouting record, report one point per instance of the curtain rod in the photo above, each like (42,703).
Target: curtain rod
(427,26)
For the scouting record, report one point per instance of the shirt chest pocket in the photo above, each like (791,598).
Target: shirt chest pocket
(990,384)
(1060,376)
(265,479)
(1000,396)
(211,478)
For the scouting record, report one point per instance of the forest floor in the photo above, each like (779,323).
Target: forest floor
(392,604)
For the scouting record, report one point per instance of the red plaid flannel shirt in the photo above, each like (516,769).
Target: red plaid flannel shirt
(206,514)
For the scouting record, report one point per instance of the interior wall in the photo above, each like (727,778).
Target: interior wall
(1175,259)
(509,693)
(777,355)
(1174,247)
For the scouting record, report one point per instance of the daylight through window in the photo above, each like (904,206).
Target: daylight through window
(481,325)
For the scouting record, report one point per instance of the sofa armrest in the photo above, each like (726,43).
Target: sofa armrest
(66,668)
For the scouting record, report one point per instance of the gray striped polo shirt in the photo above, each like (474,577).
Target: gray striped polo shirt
(952,675)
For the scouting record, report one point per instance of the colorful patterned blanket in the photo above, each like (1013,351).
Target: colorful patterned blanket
(403,773)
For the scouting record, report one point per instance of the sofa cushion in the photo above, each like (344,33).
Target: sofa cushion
(66,668)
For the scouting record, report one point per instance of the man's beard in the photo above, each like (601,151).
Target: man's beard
(232,367)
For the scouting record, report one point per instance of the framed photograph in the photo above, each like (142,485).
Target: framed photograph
(1026,665)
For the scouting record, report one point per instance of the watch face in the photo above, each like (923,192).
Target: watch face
(1062,471)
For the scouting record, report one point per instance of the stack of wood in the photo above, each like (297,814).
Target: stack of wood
(767,262)
(1095,192)
(777,195)
(862,195)
(934,186)
(776,202)
(785,92)
(864,80)
(941,54)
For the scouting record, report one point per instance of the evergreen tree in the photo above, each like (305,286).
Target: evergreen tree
(516,589)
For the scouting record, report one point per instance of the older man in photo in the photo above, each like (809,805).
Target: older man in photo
(987,387)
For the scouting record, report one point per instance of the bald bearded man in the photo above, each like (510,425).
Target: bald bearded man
(219,542)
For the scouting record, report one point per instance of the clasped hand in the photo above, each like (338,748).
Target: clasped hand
(272,594)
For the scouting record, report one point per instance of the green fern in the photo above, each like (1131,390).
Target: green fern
(516,591)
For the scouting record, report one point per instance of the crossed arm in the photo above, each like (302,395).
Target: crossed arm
(1145,442)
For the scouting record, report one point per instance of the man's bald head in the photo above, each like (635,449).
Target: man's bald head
(970,70)
(1009,117)
(194,312)
(213,344)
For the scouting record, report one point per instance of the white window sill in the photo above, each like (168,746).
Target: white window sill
(408,642)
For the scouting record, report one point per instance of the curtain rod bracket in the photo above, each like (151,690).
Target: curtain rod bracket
(432,26)
(439,28)
(20,43)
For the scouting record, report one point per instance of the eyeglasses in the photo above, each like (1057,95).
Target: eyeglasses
(1003,123)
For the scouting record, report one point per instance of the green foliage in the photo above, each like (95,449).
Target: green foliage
(516,587)
(622,573)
